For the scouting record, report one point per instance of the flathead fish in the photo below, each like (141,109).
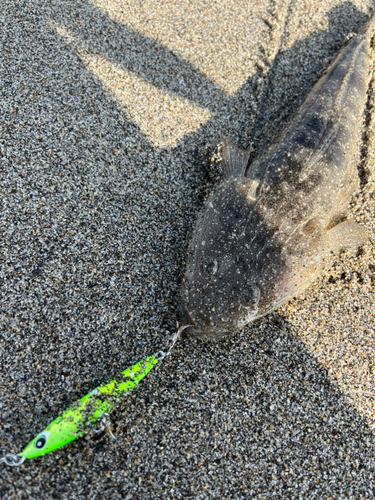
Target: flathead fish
(267,231)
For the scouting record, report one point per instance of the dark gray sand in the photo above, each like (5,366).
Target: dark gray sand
(111,113)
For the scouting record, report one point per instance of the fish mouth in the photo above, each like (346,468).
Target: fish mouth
(196,331)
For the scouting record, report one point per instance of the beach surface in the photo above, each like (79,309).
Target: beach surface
(112,112)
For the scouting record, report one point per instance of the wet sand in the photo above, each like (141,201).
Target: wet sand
(111,115)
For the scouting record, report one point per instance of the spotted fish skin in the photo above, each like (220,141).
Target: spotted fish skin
(267,231)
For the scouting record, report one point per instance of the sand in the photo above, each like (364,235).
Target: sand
(111,116)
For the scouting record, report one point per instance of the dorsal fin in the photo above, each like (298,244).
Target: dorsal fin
(233,160)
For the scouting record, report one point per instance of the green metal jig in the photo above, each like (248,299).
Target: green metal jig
(78,419)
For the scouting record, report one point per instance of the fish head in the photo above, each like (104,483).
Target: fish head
(247,259)
(61,431)
(232,265)
(38,446)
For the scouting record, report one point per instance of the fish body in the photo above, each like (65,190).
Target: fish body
(266,233)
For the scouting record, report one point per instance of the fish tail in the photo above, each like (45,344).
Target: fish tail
(369,28)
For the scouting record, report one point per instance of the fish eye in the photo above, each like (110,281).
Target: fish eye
(41,441)
(250,296)
(208,267)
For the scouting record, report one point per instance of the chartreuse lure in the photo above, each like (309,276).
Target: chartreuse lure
(77,419)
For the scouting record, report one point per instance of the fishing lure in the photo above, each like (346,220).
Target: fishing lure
(78,419)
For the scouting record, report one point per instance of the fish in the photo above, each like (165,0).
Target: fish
(271,226)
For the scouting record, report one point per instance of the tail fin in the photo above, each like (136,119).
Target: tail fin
(369,28)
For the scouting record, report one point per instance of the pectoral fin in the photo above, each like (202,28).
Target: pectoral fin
(347,235)
(233,160)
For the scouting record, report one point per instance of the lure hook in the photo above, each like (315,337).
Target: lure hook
(105,425)
(12,459)
(161,354)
